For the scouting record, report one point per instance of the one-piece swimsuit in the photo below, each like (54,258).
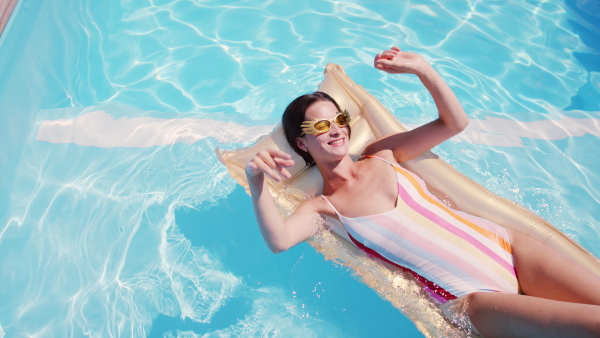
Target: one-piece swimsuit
(451,252)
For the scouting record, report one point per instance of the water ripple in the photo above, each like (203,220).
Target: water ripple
(89,238)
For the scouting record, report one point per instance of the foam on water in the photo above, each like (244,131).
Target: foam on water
(112,110)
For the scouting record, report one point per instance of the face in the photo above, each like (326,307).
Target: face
(331,143)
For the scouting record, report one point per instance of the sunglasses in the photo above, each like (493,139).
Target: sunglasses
(320,126)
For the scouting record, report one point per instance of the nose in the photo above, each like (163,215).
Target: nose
(335,130)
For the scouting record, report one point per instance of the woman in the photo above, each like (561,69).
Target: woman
(555,297)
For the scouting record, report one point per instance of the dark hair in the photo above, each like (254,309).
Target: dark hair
(294,115)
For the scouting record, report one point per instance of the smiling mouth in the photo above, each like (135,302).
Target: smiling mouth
(337,142)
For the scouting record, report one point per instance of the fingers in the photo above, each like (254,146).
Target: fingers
(271,162)
(396,61)
(388,55)
(386,65)
(280,154)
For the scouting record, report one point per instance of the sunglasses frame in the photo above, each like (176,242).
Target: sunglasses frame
(308,127)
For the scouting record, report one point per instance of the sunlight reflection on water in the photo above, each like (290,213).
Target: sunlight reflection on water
(90,231)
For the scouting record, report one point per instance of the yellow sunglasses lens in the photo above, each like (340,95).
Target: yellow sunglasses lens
(342,119)
(322,126)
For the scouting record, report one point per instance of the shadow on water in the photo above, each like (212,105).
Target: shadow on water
(235,309)
(225,231)
(321,291)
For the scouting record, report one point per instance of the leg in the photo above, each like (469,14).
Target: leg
(544,272)
(561,297)
(497,314)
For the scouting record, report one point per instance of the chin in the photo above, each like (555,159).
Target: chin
(342,150)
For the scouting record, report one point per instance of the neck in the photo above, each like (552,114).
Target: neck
(336,173)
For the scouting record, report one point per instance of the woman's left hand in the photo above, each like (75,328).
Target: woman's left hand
(395,61)
(451,116)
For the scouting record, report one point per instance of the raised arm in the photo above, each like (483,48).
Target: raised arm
(451,120)
(279,234)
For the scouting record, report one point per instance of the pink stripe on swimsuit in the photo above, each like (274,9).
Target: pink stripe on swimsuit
(451,252)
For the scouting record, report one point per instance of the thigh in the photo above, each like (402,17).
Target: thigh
(497,314)
(544,272)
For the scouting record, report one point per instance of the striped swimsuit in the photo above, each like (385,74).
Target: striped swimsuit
(451,252)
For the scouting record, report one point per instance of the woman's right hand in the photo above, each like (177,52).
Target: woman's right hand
(272,162)
(279,234)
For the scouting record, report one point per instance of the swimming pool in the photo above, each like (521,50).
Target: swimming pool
(118,220)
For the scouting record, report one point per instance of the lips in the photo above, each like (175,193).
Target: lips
(337,142)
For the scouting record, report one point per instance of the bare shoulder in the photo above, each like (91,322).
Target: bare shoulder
(380,149)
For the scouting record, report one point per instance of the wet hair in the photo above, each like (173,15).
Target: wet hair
(294,115)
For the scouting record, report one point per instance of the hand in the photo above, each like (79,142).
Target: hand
(395,61)
(271,162)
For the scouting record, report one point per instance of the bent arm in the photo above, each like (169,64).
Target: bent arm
(451,116)
(279,234)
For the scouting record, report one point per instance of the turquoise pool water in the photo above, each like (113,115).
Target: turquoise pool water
(116,218)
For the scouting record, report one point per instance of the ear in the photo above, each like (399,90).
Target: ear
(300,143)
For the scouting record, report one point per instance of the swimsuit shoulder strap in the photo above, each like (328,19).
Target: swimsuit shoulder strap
(334,209)
(380,158)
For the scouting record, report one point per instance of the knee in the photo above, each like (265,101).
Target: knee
(481,305)
(475,299)
(473,302)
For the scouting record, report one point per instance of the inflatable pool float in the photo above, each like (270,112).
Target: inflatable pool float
(370,120)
